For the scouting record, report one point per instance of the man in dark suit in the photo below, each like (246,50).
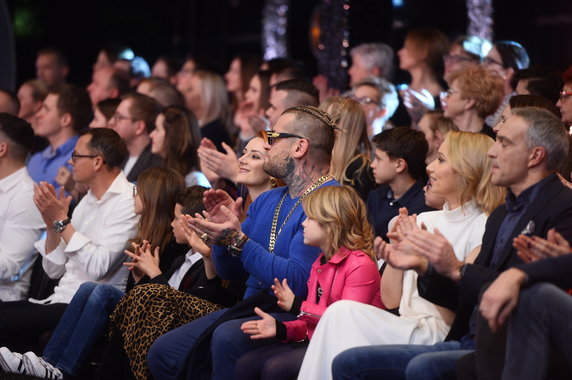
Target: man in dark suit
(134,120)
(530,147)
(535,297)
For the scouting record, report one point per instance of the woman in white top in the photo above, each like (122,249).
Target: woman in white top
(461,176)
(176,138)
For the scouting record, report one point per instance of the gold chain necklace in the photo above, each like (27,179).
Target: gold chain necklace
(273,234)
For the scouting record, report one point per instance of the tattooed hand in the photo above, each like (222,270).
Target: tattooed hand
(223,231)
(227,237)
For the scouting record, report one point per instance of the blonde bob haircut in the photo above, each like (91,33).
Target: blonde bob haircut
(468,156)
(342,213)
(483,86)
(351,138)
(213,97)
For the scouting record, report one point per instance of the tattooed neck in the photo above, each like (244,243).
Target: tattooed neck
(304,175)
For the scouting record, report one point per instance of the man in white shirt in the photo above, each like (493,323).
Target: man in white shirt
(20,221)
(89,247)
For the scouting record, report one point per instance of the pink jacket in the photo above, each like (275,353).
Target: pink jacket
(349,275)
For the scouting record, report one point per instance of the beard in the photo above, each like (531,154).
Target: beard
(279,167)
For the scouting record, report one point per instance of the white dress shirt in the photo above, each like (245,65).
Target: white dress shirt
(20,226)
(177,277)
(95,251)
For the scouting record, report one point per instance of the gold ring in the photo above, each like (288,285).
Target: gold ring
(205,237)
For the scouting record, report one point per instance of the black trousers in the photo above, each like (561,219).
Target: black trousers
(26,326)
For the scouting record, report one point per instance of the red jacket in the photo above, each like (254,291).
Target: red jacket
(349,275)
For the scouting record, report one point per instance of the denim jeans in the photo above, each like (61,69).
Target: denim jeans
(81,325)
(168,353)
(399,362)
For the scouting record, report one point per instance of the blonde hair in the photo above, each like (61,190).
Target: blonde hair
(351,140)
(342,213)
(213,97)
(468,156)
(440,123)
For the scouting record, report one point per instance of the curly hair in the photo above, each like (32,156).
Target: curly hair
(485,87)
(342,213)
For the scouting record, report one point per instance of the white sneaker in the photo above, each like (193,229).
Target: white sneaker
(11,362)
(38,367)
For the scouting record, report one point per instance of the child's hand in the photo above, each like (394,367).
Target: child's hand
(146,260)
(284,294)
(262,328)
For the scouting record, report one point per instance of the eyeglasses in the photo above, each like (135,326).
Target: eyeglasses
(564,95)
(134,191)
(364,100)
(487,61)
(117,117)
(75,156)
(271,136)
(444,95)
(450,58)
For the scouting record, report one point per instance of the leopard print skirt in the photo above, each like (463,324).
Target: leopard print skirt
(149,311)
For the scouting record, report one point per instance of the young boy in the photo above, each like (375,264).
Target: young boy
(399,166)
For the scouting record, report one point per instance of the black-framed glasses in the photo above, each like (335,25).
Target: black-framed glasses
(75,156)
(564,95)
(271,136)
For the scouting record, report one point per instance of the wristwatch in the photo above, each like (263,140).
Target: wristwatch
(60,225)
(236,247)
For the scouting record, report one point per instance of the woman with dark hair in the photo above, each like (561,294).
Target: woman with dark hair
(565,103)
(176,138)
(422,57)
(103,112)
(465,51)
(111,53)
(166,68)
(242,69)
(250,116)
(505,58)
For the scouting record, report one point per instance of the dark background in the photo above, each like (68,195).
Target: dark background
(222,28)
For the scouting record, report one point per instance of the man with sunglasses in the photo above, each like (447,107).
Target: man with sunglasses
(269,244)
(87,247)
(134,120)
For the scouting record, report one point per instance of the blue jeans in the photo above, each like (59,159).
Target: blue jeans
(399,362)
(81,325)
(168,354)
